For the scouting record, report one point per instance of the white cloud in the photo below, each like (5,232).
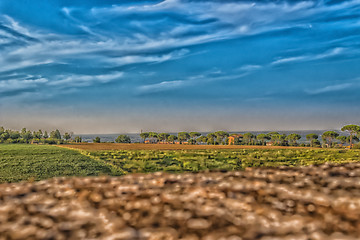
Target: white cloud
(249,68)
(331,88)
(162,86)
(327,54)
(69,81)
(24,84)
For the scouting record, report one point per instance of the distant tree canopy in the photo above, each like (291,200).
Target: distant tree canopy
(329,136)
(183,136)
(123,139)
(352,129)
(55,134)
(144,135)
(96,140)
(293,138)
(67,136)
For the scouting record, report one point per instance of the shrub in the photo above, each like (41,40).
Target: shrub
(123,139)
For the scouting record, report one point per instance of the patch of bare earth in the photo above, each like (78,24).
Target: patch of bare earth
(316,203)
(141,146)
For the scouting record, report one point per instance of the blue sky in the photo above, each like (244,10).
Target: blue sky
(120,66)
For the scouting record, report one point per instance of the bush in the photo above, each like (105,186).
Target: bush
(122,139)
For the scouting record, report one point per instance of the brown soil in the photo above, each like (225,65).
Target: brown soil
(141,146)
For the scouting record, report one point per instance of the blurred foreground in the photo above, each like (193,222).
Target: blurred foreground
(321,202)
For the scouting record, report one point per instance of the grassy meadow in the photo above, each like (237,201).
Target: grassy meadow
(131,161)
(20,162)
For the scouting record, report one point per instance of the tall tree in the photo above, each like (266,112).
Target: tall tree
(329,136)
(342,139)
(194,135)
(262,137)
(249,137)
(202,139)
(172,138)
(183,136)
(46,135)
(211,138)
(352,129)
(38,134)
(293,138)
(144,135)
(154,136)
(55,134)
(220,136)
(163,136)
(278,138)
(312,137)
(67,136)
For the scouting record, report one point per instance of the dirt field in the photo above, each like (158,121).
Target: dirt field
(141,146)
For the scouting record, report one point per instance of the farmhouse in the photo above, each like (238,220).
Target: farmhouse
(233,137)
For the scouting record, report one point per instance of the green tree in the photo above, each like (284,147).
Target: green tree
(342,139)
(123,139)
(154,136)
(312,137)
(67,136)
(2,130)
(293,138)
(220,136)
(352,129)
(144,135)
(78,139)
(55,134)
(202,139)
(262,137)
(279,139)
(183,137)
(15,134)
(163,136)
(172,138)
(38,134)
(192,141)
(194,135)
(5,135)
(329,136)
(96,140)
(26,135)
(211,138)
(248,138)
(46,135)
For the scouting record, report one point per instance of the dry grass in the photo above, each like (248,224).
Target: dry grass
(141,146)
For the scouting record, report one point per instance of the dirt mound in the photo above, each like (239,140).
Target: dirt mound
(321,202)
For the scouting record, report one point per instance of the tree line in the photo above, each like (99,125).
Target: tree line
(27,136)
(329,138)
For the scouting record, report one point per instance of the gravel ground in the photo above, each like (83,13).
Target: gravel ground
(321,202)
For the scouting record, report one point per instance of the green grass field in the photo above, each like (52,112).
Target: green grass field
(131,161)
(23,162)
(35,162)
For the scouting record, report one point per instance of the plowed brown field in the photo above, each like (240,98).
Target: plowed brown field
(141,146)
